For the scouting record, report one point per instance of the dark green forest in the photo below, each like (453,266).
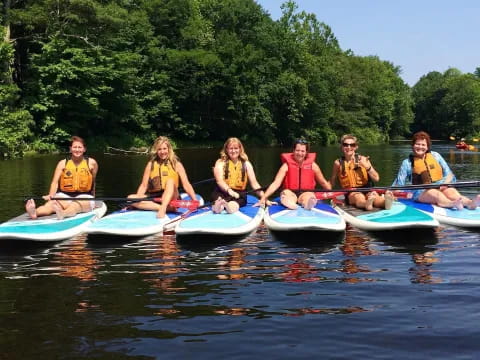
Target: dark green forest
(122,72)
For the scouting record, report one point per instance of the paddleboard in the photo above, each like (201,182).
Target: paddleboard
(49,228)
(460,218)
(205,222)
(398,217)
(321,218)
(134,222)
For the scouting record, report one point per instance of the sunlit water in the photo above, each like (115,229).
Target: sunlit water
(358,295)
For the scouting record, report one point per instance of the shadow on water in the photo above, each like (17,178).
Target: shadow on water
(14,247)
(201,243)
(412,241)
(319,241)
(106,241)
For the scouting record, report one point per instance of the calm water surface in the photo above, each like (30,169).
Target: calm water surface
(409,295)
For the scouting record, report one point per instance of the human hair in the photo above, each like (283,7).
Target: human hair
(422,135)
(78,139)
(172,157)
(348,137)
(233,140)
(301,141)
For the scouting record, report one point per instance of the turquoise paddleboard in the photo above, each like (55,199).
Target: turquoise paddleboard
(399,216)
(460,218)
(49,228)
(132,222)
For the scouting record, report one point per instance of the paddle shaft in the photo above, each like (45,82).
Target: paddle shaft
(398,187)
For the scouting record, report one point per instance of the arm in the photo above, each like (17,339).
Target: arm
(182,174)
(142,188)
(364,161)
(276,182)
(404,173)
(320,178)
(335,171)
(219,175)
(94,170)
(448,175)
(55,179)
(253,179)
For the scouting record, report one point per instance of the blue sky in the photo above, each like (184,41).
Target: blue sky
(419,36)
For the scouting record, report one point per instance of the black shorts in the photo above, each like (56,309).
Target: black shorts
(241,201)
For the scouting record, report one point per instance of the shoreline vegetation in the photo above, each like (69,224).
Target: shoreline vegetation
(120,74)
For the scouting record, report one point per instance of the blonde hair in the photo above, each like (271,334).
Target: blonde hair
(171,154)
(233,140)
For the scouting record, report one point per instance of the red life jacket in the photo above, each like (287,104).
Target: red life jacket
(299,176)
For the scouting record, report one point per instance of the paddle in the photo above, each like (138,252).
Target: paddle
(187,213)
(474,183)
(335,194)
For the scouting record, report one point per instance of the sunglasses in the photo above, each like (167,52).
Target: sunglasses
(349,145)
(301,141)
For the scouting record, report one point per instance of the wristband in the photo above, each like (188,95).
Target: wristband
(370,168)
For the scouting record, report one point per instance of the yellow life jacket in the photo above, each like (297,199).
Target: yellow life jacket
(235,175)
(353,175)
(159,174)
(76,179)
(426,170)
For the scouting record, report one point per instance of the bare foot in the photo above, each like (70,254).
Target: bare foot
(218,206)
(369,203)
(231,207)
(161,213)
(58,210)
(474,203)
(458,204)
(31,208)
(311,202)
(389,198)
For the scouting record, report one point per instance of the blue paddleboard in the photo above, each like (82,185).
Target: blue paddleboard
(321,218)
(204,221)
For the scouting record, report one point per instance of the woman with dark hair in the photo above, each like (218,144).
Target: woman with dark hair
(161,178)
(424,166)
(74,176)
(299,172)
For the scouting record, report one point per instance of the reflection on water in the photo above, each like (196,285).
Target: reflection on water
(372,295)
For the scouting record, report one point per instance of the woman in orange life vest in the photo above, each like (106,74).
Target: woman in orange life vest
(161,178)
(232,172)
(73,176)
(298,171)
(353,170)
(424,166)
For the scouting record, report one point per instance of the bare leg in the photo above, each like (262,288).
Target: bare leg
(288,199)
(58,210)
(231,207)
(388,200)
(167,196)
(307,200)
(370,200)
(434,196)
(218,205)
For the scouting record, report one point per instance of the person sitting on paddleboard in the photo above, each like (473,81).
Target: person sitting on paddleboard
(232,172)
(73,177)
(161,178)
(354,171)
(424,166)
(299,171)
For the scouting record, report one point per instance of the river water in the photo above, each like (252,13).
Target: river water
(359,295)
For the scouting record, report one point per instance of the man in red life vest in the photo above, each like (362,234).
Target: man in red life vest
(299,171)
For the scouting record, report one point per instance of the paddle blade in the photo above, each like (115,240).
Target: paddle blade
(329,195)
(186,204)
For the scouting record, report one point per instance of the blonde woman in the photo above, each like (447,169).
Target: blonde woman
(232,173)
(161,178)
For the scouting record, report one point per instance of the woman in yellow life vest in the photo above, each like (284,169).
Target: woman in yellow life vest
(232,173)
(424,166)
(161,178)
(354,171)
(73,176)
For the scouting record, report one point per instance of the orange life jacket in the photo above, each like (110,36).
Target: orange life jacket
(426,170)
(351,174)
(159,174)
(235,175)
(76,179)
